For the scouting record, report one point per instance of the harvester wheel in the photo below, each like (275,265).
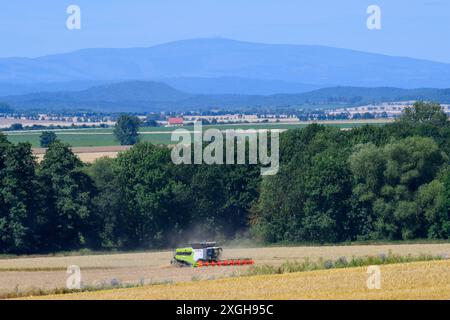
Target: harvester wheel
(179,264)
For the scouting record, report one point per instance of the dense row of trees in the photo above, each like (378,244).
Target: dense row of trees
(43,207)
(374,182)
(139,200)
(387,182)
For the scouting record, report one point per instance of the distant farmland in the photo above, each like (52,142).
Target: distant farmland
(159,135)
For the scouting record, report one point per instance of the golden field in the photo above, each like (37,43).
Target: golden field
(49,272)
(418,280)
(87,154)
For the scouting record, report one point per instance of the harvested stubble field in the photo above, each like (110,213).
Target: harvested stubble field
(48,273)
(87,154)
(418,280)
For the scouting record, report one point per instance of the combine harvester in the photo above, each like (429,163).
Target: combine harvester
(205,254)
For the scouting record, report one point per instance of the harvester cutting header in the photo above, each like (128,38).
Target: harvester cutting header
(205,254)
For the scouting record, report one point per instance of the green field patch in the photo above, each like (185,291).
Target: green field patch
(103,137)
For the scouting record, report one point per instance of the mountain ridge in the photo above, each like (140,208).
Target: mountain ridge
(219,58)
(141,96)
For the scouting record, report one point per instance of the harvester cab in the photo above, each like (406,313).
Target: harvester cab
(206,251)
(202,254)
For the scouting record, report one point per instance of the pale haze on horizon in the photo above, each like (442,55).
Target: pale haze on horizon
(417,28)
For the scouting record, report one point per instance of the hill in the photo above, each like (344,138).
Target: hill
(125,96)
(138,96)
(239,86)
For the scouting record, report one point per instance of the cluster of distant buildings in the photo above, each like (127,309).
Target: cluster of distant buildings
(27,120)
(229,119)
(383,110)
(387,110)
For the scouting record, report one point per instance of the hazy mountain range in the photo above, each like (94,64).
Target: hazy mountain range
(216,73)
(216,58)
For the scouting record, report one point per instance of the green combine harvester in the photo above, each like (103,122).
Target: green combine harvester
(204,254)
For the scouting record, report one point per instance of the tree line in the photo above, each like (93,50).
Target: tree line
(387,182)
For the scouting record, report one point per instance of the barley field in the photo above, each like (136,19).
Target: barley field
(418,280)
(19,275)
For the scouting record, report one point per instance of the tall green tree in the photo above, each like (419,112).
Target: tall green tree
(308,199)
(222,196)
(67,204)
(153,212)
(126,129)
(47,138)
(4,145)
(442,228)
(433,202)
(387,181)
(425,113)
(107,202)
(19,201)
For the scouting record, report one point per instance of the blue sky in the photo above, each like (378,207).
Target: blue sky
(415,28)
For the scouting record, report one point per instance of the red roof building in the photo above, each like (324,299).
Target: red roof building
(176,121)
